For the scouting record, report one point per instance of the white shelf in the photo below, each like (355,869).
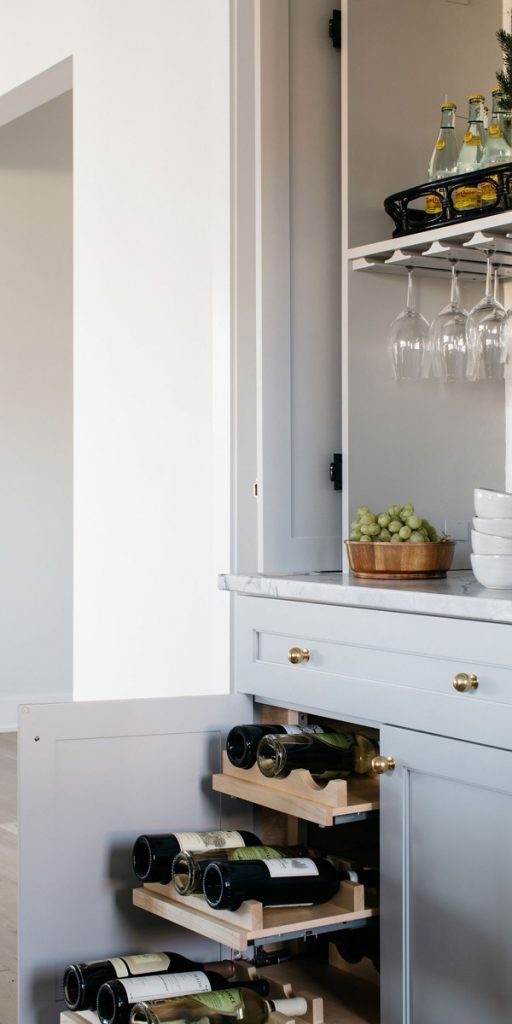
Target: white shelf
(430,252)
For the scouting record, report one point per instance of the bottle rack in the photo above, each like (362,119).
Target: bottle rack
(331,992)
(299,795)
(253,924)
(431,255)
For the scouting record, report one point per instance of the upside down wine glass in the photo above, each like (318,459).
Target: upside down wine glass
(408,339)
(453,359)
(486,331)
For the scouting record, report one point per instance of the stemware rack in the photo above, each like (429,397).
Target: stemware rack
(432,256)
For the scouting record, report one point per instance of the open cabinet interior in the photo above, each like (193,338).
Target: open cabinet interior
(167,777)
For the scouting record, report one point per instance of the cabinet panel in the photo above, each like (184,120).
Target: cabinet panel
(92,777)
(446,849)
(379,666)
(297,286)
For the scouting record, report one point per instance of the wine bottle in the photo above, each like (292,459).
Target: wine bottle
(82,981)
(188,868)
(235,1004)
(116,998)
(289,881)
(152,855)
(355,943)
(327,756)
(242,741)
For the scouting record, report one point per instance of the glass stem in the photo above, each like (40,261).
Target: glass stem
(410,291)
(454,295)
(488,283)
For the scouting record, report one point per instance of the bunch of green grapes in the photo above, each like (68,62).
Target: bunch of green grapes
(398,525)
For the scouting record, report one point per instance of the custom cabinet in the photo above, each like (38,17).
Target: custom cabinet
(446,905)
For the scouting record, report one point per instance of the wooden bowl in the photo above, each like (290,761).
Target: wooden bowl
(387,561)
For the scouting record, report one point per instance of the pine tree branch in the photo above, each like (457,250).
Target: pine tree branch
(504,77)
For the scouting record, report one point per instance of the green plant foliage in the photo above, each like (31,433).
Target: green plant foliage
(504,77)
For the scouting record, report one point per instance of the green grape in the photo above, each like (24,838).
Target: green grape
(366,540)
(361,510)
(416,538)
(394,526)
(355,524)
(414,522)
(394,511)
(365,528)
(384,519)
(406,513)
(432,532)
(367,517)
(384,535)
(424,533)
(396,538)
(355,535)
(405,532)
(372,529)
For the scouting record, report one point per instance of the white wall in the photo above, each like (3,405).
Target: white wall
(151,331)
(36,408)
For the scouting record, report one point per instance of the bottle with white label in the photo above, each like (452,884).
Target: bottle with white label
(242,741)
(116,998)
(240,1005)
(284,882)
(153,855)
(82,981)
(188,868)
(337,755)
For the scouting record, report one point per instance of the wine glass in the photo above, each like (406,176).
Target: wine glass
(408,339)
(452,358)
(486,330)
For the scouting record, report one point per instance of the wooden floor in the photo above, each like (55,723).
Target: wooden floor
(8,878)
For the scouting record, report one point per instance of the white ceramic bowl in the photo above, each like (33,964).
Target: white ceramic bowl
(486,544)
(492,504)
(493,527)
(493,571)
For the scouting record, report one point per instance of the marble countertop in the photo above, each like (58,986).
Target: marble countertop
(458,596)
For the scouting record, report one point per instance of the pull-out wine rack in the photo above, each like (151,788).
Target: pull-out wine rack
(298,794)
(335,994)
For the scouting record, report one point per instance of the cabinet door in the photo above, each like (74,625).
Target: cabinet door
(446,840)
(298,320)
(92,777)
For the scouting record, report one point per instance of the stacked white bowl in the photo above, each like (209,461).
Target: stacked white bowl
(491,538)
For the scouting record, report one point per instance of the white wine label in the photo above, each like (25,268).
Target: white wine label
(119,966)
(254,853)
(288,867)
(202,841)
(160,986)
(296,730)
(144,963)
(226,1001)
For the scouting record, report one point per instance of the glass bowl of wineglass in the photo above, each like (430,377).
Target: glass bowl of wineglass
(408,339)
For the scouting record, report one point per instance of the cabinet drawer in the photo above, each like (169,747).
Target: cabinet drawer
(379,666)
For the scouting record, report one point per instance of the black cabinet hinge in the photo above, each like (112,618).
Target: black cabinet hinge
(336,471)
(335,29)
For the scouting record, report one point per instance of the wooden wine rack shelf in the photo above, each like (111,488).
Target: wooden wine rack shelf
(333,996)
(252,924)
(298,794)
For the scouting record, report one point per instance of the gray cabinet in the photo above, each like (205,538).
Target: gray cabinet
(446,851)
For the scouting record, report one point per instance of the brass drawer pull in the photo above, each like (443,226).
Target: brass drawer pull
(464,683)
(381,764)
(296,655)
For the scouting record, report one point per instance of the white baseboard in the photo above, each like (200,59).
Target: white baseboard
(9,706)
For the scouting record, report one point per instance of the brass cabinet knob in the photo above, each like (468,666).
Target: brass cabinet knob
(381,764)
(464,683)
(296,655)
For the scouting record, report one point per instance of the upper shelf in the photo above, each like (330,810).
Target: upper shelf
(430,252)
